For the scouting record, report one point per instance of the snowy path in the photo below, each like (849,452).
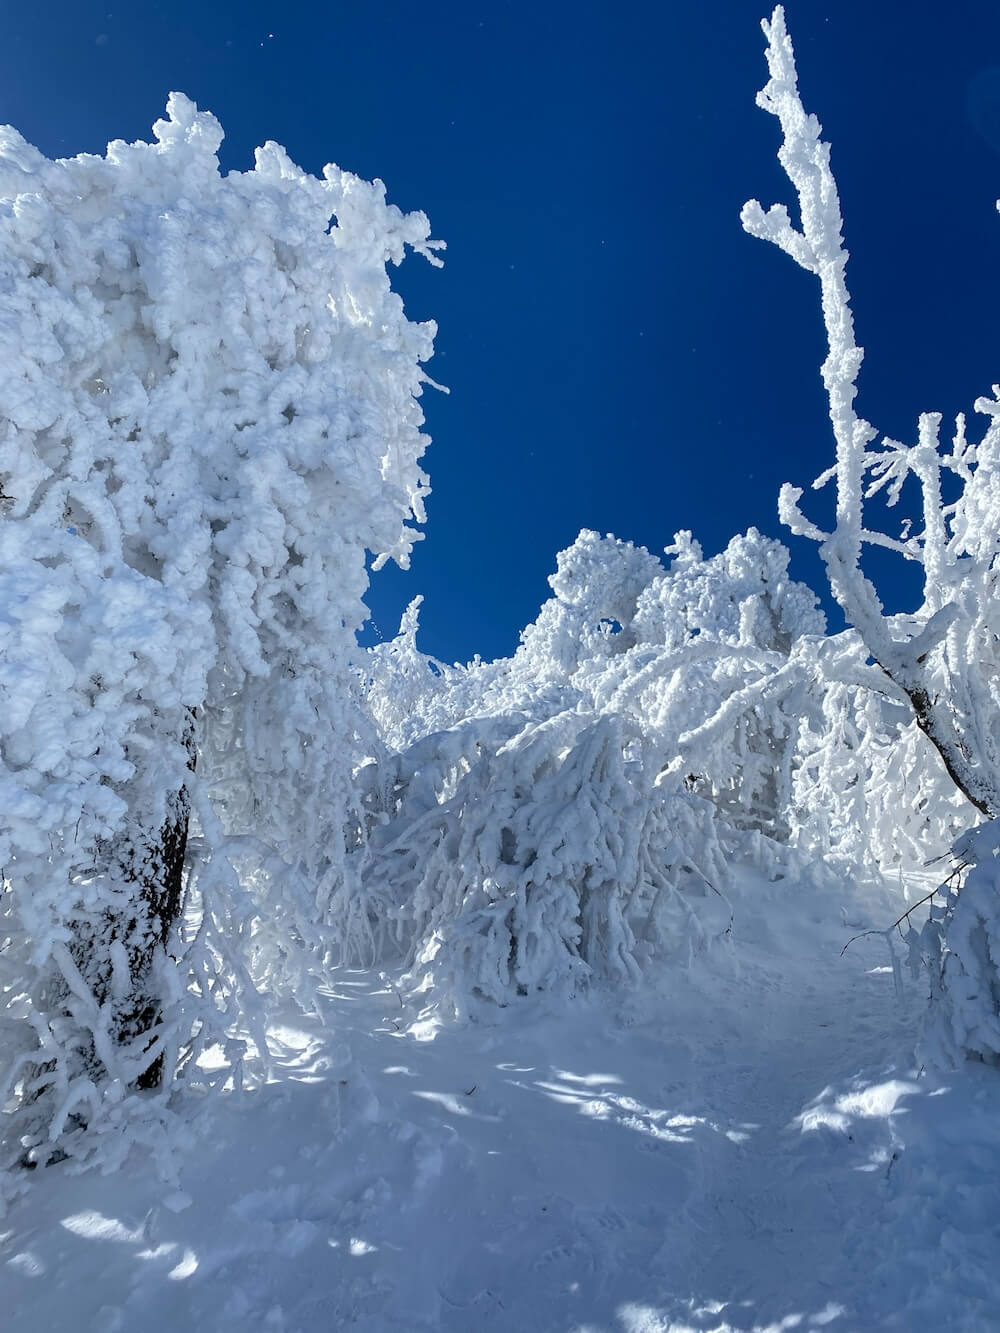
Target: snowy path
(735,1153)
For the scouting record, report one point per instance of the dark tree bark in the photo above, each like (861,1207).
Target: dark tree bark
(148,867)
(160,877)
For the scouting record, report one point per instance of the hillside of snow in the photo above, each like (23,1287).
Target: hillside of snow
(745,1146)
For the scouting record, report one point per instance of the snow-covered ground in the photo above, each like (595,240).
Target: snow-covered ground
(744,1146)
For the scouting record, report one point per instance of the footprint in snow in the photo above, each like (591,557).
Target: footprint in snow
(571,1253)
(606,1220)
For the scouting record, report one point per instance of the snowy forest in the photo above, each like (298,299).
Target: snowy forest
(254,872)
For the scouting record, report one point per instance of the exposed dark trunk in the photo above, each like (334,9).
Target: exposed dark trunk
(953,754)
(160,877)
(147,866)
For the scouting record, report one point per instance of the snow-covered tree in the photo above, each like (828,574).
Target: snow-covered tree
(511,857)
(209,411)
(944,658)
(705,660)
(723,674)
(566,813)
(943,661)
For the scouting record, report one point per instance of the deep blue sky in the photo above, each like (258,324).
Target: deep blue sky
(620,355)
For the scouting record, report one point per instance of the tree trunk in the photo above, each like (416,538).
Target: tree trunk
(159,875)
(954,756)
(148,869)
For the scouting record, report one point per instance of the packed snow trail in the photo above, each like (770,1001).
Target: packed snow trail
(739,1150)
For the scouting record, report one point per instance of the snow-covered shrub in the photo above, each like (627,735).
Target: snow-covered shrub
(596,586)
(960,945)
(209,411)
(723,678)
(562,813)
(516,857)
(408,694)
(703,660)
(944,659)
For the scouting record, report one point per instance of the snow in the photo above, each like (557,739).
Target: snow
(615,1040)
(743,1145)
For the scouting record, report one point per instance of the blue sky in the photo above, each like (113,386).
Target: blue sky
(620,355)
